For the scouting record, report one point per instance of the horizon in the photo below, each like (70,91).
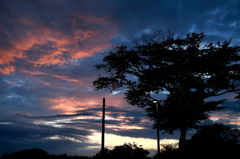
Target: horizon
(48,50)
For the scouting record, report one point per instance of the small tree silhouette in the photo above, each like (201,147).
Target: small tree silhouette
(216,134)
(215,140)
(125,151)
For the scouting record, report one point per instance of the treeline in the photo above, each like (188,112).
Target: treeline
(209,142)
(126,151)
(37,154)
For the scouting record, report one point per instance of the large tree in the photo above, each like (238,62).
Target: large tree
(189,70)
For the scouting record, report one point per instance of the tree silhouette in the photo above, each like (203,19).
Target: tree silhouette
(215,140)
(216,134)
(38,154)
(188,69)
(184,109)
(126,151)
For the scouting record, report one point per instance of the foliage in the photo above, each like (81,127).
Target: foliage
(214,141)
(216,134)
(126,151)
(37,154)
(210,141)
(189,69)
(199,147)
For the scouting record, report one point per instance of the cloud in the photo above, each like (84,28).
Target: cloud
(7,69)
(20,135)
(226,117)
(48,50)
(51,75)
(45,39)
(74,130)
(59,32)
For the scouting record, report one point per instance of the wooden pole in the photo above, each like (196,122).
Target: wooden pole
(103,125)
(158,133)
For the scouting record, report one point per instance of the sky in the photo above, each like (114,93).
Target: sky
(48,50)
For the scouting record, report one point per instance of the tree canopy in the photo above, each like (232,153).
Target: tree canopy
(216,134)
(214,141)
(189,70)
(126,151)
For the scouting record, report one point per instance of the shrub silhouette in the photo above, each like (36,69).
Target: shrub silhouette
(37,154)
(27,154)
(214,141)
(125,151)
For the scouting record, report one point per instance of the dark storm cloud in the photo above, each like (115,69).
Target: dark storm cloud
(129,117)
(52,131)
(31,131)
(19,135)
(92,121)
(51,146)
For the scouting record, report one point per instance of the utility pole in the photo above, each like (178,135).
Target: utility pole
(103,126)
(158,133)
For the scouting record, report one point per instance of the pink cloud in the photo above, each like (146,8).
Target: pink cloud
(79,41)
(79,82)
(7,69)
(69,105)
(227,118)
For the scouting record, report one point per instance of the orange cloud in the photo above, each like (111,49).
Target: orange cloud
(124,127)
(235,122)
(81,40)
(226,118)
(88,52)
(215,117)
(80,82)
(7,56)
(7,70)
(69,105)
(20,45)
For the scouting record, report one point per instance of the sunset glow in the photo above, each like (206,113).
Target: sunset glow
(70,105)
(120,140)
(49,50)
